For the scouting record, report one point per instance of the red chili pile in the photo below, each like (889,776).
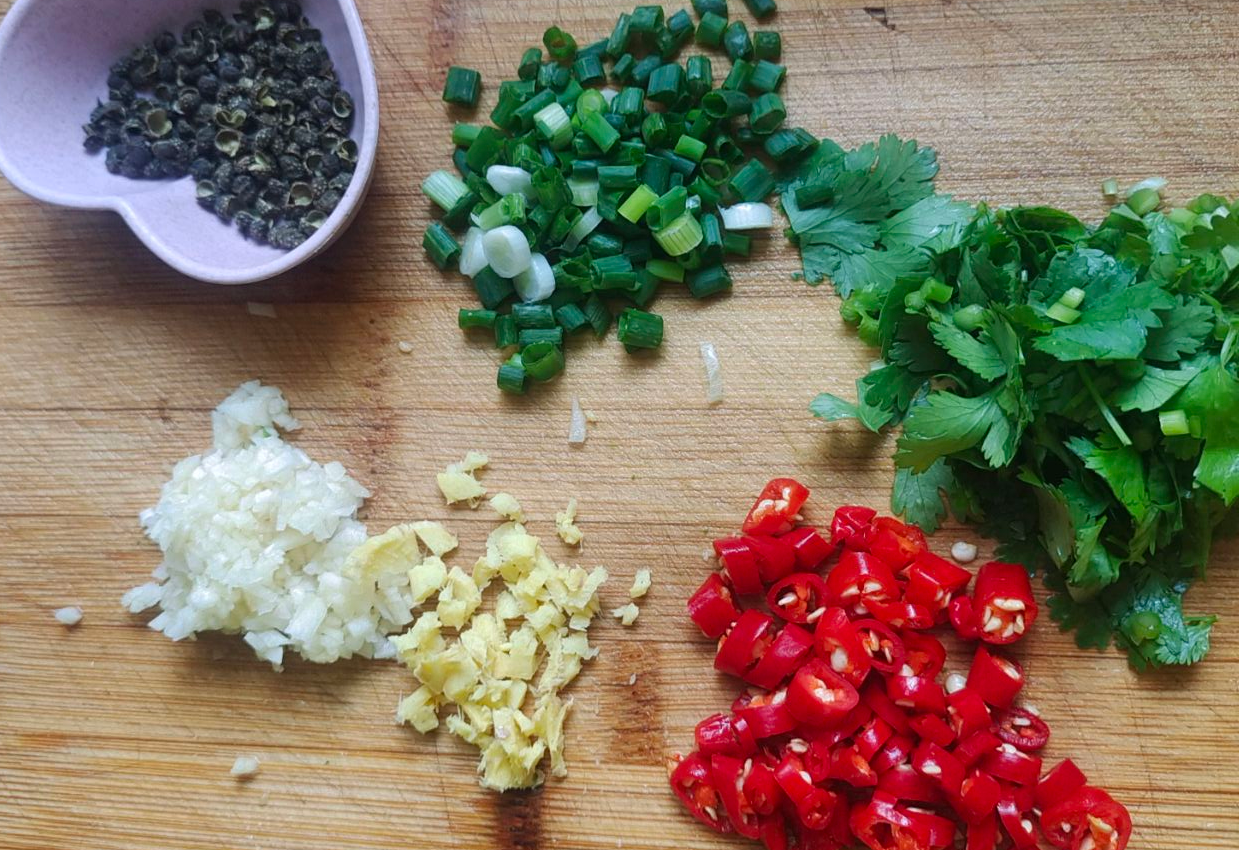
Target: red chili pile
(847,735)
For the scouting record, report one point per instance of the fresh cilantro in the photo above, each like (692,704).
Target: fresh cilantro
(1037,418)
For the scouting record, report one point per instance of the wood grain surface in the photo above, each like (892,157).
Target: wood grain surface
(112,736)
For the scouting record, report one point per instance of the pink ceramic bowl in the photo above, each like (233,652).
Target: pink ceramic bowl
(54,59)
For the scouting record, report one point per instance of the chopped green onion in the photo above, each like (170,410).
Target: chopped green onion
(533,316)
(751,216)
(1144,201)
(550,189)
(679,164)
(464,134)
(639,329)
(711,240)
(768,45)
(646,19)
(761,9)
(643,69)
(508,180)
(485,149)
(710,30)
(936,290)
(767,113)
(1072,298)
(554,125)
(584,191)
(598,315)
(526,114)
(629,104)
(739,76)
(505,331)
(510,209)
(708,281)
(1061,313)
(666,270)
(588,69)
(591,219)
(597,49)
(531,60)
(538,336)
(617,44)
(667,208)
(446,190)
(637,203)
(788,145)
(559,44)
(752,182)
(737,244)
(680,236)
(654,129)
(440,245)
(604,244)
(726,103)
(507,250)
(690,148)
(680,27)
(1110,188)
(600,131)
(476,319)
(716,7)
(511,378)
(591,100)
(536,282)
(569,93)
(1174,423)
(698,76)
(617,176)
(622,69)
(571,318)
(736,41)
(970,318)
(613,272)
(766,76)
(492,290)
(666,84)
(462,86)
(715,171)
(706,194)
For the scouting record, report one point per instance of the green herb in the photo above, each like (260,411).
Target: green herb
(1072,388)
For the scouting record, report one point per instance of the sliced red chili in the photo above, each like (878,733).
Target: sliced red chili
(848,765)
(712,607)
(1017,824)
(777,508)
(727,774)
(939,830)
(767,714)
(978,797)
(983,835)
(740,648)
(850,521)
(881,824)
(725,735)
(963,618)
(995,679)
(773,831)
(924,655)
(940,766)
(976,746)
(819,696)
(782,658)
(894,752)
(810,547)
(904,783)
(798,598)
(739,560)
(874,695)
(1063,780)
(859,578)
(775,558)
(933,580)
(872,736)
(1022,729)
(931,727)
(692,782)
(895,542)
(882,644)
(967,712)
(813,805)
(1089,819)
(917,693)
(760,786)
(1012,765)
(838,642)
(1003,603)
(900,614)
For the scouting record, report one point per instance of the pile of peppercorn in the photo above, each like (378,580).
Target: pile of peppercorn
(249,106)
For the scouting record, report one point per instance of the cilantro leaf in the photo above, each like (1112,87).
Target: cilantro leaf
(1184,330)
(917,496)
(926,220)
(979,356)
(945,424)
(874,269)
(1148,614)
(832,408)
(1122,469)
(1213,395)
(1088,620)
(1155,387)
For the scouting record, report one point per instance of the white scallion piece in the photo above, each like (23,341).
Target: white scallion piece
(472,255)
(576,428)
(1154,183)
(69,616)
(244,767)
(507,250)
(507,179)
(748,216)
(536,283)
(714,376)
(584,226)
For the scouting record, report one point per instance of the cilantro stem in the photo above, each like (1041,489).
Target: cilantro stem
(1106,413)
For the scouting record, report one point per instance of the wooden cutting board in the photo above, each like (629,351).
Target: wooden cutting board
(112,736)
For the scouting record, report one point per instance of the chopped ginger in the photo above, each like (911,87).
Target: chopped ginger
(626,614)
(507,507)
(565,525)
(640,584)
(458,484)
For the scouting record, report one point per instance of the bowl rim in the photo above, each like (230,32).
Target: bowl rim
(339,220)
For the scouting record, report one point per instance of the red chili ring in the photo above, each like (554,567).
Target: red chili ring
(1022,729)
(898,654)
